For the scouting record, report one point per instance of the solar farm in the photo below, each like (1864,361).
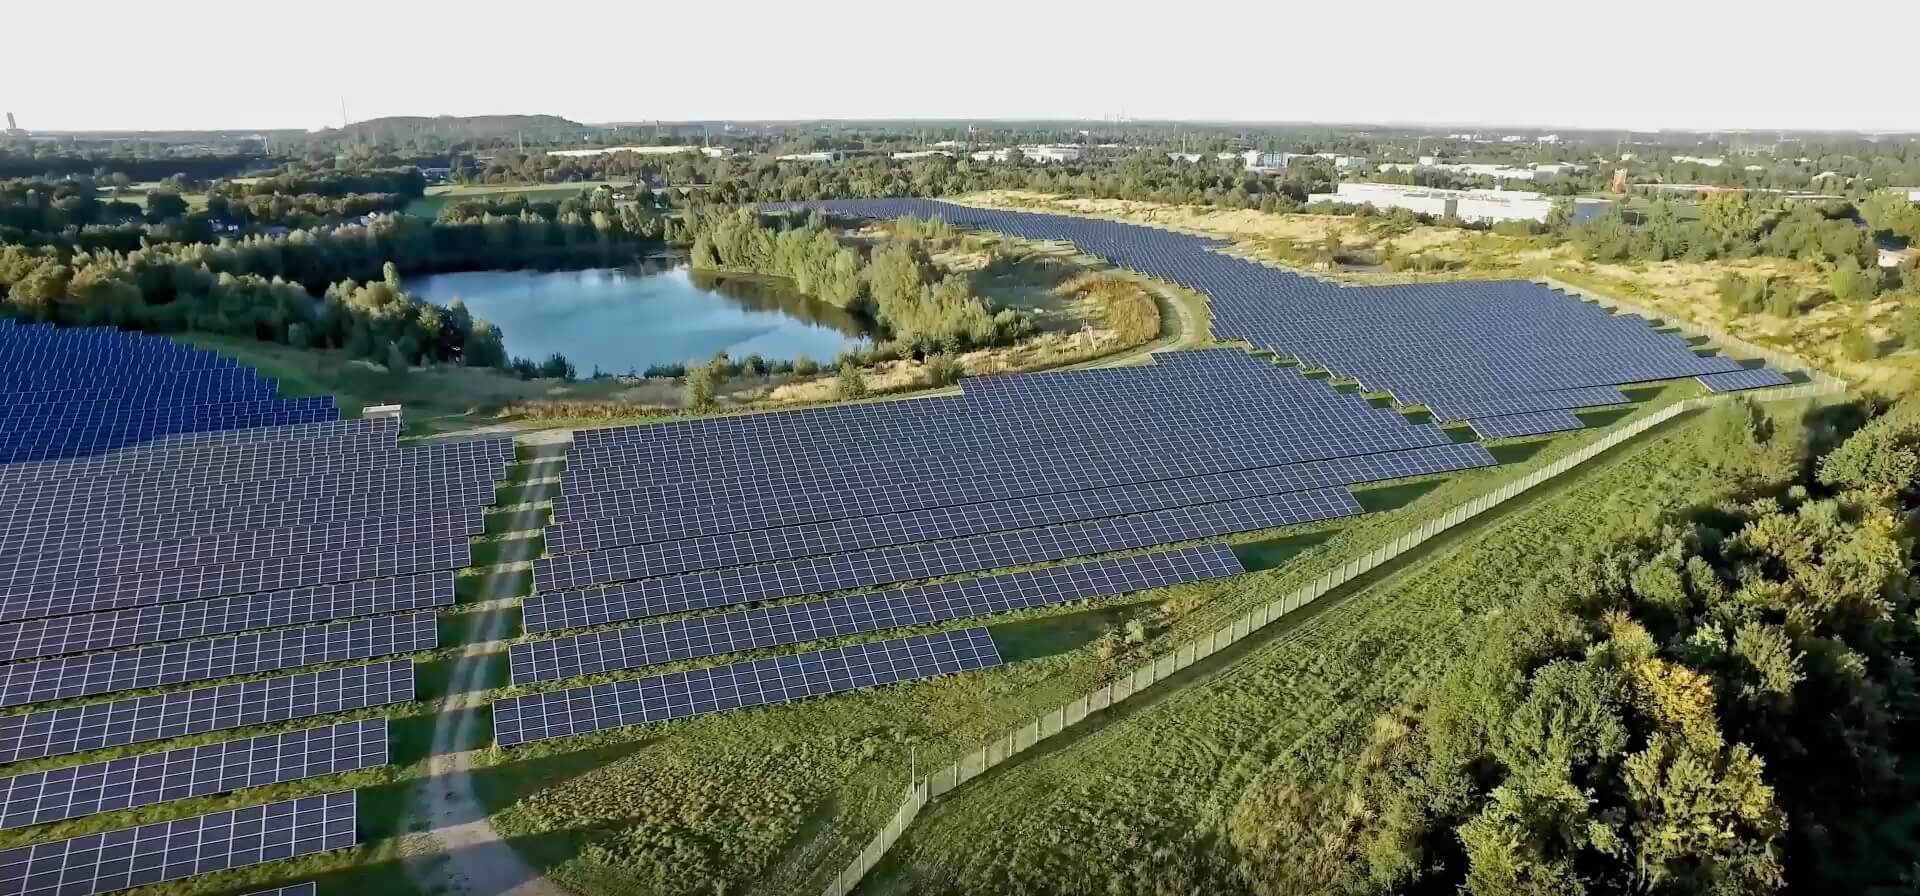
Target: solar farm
(212,589)
(189,558)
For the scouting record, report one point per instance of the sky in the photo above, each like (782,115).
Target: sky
(1639,64)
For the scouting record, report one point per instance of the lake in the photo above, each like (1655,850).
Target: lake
(624,320)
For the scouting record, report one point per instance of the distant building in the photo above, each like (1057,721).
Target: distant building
(1476,206)
(1913,194)
(637,150)
(920,154)
(1496,172)
(991,155)
(1703,161)
(1051,153)
(1275,161)
(716,152)
(825,155)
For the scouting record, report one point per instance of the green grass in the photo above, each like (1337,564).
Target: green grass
(429,205)
(1285,710)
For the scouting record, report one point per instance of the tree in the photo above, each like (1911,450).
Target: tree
(1850,283)
(556,366)
(702,382)
(397,361)
(165,206)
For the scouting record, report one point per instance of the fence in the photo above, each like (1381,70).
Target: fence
(1018,740)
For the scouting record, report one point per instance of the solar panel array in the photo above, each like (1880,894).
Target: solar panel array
(1756,378)
(171,850)
(706,636)
(518,720)
(74,392)
(153,778)
(212,546)
(713,514)
(1449,346)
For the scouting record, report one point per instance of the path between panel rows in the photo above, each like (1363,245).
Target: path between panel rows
(451,821)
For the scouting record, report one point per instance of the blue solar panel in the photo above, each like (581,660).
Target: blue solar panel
(1734,381)
(518,720)
(1534,424)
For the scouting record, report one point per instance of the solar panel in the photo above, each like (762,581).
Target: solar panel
(94,726)
(881,566)
(301,889)
(518,720)
(149,779)
(59,598)
(1514,425)
(954,521)
(198,619)
(189,661)
(706,636)
(171,850)
(1737,380)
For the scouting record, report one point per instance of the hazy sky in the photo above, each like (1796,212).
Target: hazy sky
(150,64)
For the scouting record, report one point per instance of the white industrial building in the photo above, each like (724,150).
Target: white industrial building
(919,154)
(825,155)
(1534,174)
(1260,160)
(1051,153)
(1474,206)
(1703,161)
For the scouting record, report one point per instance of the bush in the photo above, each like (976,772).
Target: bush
(944,370)
(805,366)
(850,384)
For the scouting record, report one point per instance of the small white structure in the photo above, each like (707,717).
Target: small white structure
(1051,153)
(1703,161)
(381,411)
(1893,258)
(716,152)
(1476,206)
(825,155)
(1913,194)
(991,155)
(920,154)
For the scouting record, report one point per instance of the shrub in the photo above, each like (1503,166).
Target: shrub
(944,370)
(850,384)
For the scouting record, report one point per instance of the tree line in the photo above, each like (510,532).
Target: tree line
(921,308)
(1723,704)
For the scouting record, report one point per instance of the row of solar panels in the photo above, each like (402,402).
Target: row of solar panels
(1489,339)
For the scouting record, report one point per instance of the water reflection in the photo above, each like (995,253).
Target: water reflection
(652,312)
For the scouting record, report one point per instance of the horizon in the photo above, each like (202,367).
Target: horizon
(1495,62)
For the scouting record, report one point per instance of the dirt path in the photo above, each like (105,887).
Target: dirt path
(457,845)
